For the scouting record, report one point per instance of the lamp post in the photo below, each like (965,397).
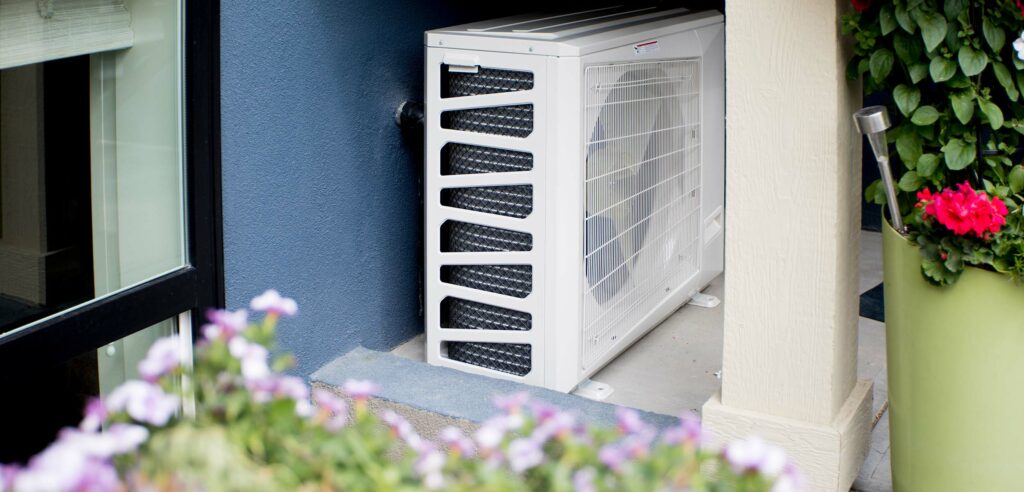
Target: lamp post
(873,121)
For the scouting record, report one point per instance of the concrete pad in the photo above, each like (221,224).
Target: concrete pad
(673,368)
(452,393)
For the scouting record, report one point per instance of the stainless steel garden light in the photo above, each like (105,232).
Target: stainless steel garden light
(873,121)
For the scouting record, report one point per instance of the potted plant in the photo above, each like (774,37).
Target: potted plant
(954,74)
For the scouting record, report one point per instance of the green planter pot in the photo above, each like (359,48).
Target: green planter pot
(956,376)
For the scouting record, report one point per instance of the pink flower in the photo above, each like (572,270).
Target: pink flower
(360,389)
(271,302)
(164,356)
(144,402)
(964,211)
(225,324)
(7,475)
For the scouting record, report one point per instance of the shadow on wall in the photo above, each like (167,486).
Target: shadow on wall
(322,195)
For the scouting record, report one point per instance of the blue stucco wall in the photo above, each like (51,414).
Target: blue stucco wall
(321,194)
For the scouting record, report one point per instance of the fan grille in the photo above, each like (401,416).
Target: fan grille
(642,215)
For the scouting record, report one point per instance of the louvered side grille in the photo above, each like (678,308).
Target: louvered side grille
(509,121)
(463,237)
(486,81)
(509,201)
(473,159)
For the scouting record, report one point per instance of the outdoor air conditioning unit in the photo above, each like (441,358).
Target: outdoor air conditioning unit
(574,186)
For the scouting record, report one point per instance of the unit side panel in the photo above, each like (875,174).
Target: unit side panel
(565,204)
(713,114)
(486,133)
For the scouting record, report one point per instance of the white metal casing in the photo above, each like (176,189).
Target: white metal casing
(557,51)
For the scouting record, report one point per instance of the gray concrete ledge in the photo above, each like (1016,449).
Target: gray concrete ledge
(455,394)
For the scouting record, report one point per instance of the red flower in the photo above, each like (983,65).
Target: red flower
(862,5)
(964,211)
(1021,7)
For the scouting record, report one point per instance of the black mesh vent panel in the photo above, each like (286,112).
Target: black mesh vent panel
(507,280)
(463,237)
(510,121)
(486,81)
(510,201)
(461,314)
(473,159)
(513,358)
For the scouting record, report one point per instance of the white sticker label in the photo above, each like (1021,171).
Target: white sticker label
(645,48)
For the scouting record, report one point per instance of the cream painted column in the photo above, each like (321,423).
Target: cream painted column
(792,225)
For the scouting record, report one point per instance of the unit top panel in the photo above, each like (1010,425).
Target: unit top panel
(571,33)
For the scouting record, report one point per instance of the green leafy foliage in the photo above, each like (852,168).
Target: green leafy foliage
(957,110)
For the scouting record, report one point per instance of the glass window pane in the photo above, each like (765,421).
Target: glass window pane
(91,171)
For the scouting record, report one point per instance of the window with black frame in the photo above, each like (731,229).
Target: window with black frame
(109,197)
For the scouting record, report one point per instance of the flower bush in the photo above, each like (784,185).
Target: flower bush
(955,72)
(234,421)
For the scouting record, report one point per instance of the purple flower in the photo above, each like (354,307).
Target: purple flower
(639,444)
(272,303)
(119,439)
(144,402)
(523,454)
(559,425)
(253,357)
(542,411)
(629,420)
(360,389)
(333,407)
(62,466)
(225,324)
(687,432)
(790,481)
(95,415)
(754,454)
(457,442)
(428,465)
(164,356)
(491,433)
(512,403)
(583,480)
(7,475)
(291,387)
(399,426)
(613,457)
